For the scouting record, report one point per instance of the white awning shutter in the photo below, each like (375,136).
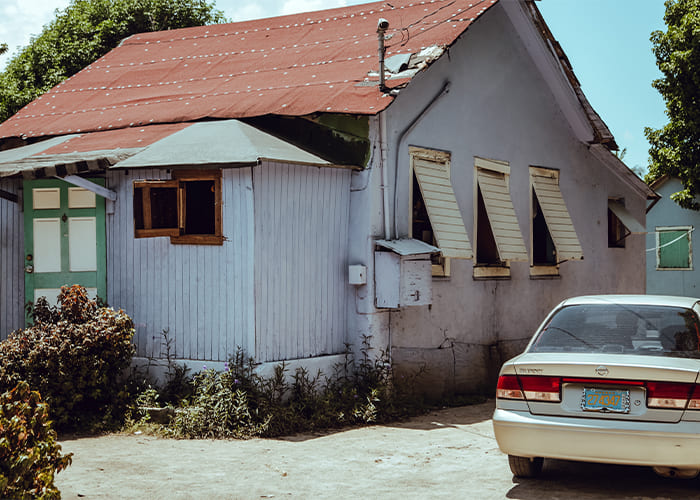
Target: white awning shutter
(557,217)
(504,223)
(433,176)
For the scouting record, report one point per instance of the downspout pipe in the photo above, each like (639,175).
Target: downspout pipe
(385,176)
(444,90)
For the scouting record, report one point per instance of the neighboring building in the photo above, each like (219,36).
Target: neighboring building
(257,185)
(670,235)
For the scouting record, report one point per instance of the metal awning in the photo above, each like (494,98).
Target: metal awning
(407,246)
(220,142)
(627,219)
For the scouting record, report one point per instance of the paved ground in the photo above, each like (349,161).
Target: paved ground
(447,454)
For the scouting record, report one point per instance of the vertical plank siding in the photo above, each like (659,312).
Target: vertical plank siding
(11,261)
(202,294)
(301,233)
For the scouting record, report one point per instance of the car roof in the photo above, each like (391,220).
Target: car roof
(654,300)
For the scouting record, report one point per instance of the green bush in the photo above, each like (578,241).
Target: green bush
(74,355)
(238,403)
(29,454)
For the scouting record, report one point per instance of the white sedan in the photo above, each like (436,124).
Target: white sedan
(606,378)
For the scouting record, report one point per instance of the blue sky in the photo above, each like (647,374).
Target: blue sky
(607,42)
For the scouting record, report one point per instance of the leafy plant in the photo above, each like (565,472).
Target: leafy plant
(29,454)
(74,356)
(240,403)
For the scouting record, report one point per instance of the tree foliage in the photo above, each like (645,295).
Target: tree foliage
(82,33)
(675,148)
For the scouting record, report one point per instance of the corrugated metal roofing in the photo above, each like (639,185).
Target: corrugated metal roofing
(172,145)
(293,65)
(193,146)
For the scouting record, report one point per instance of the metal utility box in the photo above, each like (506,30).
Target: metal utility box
(403,273)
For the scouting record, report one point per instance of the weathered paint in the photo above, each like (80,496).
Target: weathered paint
(11,260)
(666,213)
(201,294)
(498,107)
(301,234)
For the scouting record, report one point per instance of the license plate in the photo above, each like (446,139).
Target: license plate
(606,400)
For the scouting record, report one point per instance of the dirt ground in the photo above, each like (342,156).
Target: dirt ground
(449,453)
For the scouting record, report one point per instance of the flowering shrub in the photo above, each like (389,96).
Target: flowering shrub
(29,454)
(74,356)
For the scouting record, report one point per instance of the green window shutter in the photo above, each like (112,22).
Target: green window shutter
(674,249)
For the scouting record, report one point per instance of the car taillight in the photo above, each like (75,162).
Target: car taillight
(509,387)
(530,387)
(538,388)
(694,403)
(669,394)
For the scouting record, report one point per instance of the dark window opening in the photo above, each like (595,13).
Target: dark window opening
(486,248)
(617,232)
(186,208)
(421,228)
(544,253)
(200,207)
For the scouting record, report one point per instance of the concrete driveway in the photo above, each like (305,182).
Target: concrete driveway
(449,453)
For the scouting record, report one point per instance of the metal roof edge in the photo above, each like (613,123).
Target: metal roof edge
(622,171)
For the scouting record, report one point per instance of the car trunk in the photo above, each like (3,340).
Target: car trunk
(607,386)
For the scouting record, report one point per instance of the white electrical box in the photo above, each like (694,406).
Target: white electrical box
(357,274)
(403,273)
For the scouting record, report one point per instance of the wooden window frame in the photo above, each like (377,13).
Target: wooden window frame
(147,231)
(177,235)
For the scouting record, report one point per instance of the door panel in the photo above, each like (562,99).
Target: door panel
(82,244)
(64,239)
(47,251)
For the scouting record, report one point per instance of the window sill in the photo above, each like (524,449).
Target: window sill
(544,272)
(197,239)
(491,273)
(674,268)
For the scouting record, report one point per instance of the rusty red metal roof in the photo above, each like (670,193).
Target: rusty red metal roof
(293,65)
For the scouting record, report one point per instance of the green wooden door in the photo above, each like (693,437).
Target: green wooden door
(64,228)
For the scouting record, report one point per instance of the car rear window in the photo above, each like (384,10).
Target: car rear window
(621,328)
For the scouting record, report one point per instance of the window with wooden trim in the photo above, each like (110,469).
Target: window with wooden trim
(621,223)
(497,235)
(553,238)
(186,208)
(674,249)
(435,217)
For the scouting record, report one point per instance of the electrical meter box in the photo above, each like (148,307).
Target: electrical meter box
(403,273)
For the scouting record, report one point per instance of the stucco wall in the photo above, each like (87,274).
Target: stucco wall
(498,107)
(667,213)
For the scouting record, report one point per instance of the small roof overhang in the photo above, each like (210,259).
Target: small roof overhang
(407,246)
(222,143)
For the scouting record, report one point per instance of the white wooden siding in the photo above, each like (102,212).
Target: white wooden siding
(557,217)
(433,176)
(301,238)
(11,261)
(201,293)
(504,223)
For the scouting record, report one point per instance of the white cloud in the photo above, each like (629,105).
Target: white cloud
(295,6)
(22,19)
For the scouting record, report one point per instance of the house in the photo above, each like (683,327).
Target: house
(425,176)
(670,235)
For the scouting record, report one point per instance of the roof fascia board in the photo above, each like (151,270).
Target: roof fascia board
(622,172)
(90,186)
(550,69)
